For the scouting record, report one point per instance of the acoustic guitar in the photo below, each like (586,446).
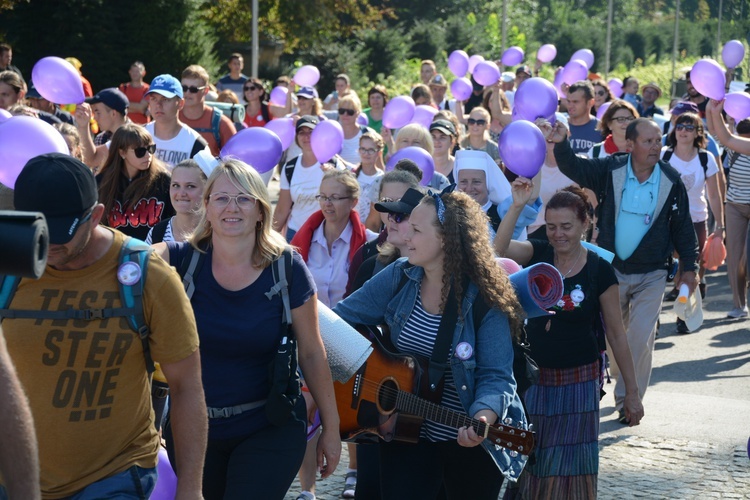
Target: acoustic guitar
(381,400)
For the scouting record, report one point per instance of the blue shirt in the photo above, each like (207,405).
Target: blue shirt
(636,211)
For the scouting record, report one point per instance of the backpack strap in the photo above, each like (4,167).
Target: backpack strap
(8,285)
(215,125)
(282,267)
(131,294)
(289,169)
(703,155)
(189,267)
(159,231)
(667,154)
(597,150)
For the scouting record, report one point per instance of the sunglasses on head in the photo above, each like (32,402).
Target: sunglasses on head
(252,87)
(479,122)
(141,151)
(397,218)
(193,89)
(349,112)
(685,126)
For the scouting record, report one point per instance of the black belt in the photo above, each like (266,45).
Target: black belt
(231,411)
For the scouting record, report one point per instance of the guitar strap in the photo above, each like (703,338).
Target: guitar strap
(443,341)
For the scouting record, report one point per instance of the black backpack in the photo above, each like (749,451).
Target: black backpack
(702,154)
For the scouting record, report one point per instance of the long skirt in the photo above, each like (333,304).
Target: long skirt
(564,408)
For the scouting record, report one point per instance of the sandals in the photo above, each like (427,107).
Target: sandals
(305,495)
(622,418)
(350,487)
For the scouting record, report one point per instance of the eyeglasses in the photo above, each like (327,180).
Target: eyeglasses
(221,200)
(141,152)
(623,119)
(333,199)
(397,218)
(252,87)
(368,151)
(472,121)
(601,93)
(349,112)
(685,126)
(193,89)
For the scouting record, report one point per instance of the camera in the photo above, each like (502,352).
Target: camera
(24,243)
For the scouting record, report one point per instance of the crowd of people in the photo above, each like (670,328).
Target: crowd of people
(409,253)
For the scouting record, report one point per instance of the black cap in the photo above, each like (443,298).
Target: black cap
(308,121)
(523,69)
(112,98)
(33,93)
(405,205)
(444,126)
(59,186)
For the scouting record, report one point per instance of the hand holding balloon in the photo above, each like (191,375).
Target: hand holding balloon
(522,188)
(83,115)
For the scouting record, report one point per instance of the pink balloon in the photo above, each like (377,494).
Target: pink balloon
(21,139)
(363,120)
(535,98)
(307,76)
(486,73)
(522,148)
(737,105)
(558,84)
(512,56)
(4,115)
(259,147)
(708,78)
(327,139)
(546,53)
(58,81)
(423,115)
(732,54)
(602,109)
(615,86)
(575,71)
(510,266)
(461,88)
(584,55)
(166,482)
(458,63)
(419,156)
(284,129)
(278,96)
(473,61)
(398,112)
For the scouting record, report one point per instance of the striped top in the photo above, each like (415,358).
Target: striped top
(168,236)
(738,190)
(418,337)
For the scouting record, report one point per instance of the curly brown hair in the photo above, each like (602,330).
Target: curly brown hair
(468,253)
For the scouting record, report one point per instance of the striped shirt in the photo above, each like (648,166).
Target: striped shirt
(738,190)
(168,236)
(418,337)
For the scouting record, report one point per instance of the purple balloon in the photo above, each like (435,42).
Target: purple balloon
(419,156)
(4,115)
(461,88)
(398,112)
(575,71)
(363,120)
(602,109)
(732,54)
(515,114)
(458,63)
(708,78)
(558,84)
(522,148)
(535,98)
(486,73)
(21,139)
(307,76)
(546,53)
(423,115)
(278,96)
(58,81)
(584,55)
(473,61)
(257,146)
(284,129)
(615,86)
(512,56)
(327,140)
(166,482)
(737,105)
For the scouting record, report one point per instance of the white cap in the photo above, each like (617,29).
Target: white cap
(206,161)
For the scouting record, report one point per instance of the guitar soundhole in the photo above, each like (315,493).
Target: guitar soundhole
(387,393)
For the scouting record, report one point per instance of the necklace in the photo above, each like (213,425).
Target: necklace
(575,263)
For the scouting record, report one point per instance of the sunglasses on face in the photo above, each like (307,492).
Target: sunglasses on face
(685,126)
(479,122)
(397,218)
(601,93)
(349,112)
(193,89)
(252,87)
(141,152)
(333,199)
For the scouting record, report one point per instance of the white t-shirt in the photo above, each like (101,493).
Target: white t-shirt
(350,149)
(367,192)
(305,186)
(552,181)
(186,144)
(695,182)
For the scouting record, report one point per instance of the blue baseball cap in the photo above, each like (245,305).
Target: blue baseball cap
(166,85)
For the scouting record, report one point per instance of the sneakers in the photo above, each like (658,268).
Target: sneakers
(350,485)
(737,312)
(621,418)
(682,327)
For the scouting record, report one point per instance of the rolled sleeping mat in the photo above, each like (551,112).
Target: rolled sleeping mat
(538,288)
(347,349)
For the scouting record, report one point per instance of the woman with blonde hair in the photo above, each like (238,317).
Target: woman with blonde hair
(349,110)
(479,136)
(449,271)
(247,451)
(133,183)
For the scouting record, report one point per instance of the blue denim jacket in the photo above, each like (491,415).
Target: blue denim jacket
(484,380)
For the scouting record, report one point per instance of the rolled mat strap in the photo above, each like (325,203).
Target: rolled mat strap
(538,288)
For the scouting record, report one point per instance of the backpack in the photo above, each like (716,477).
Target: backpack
(702,154)
(159,231)
(215,126)
(597,323)
(131,297)
(235,112)
(289,166)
